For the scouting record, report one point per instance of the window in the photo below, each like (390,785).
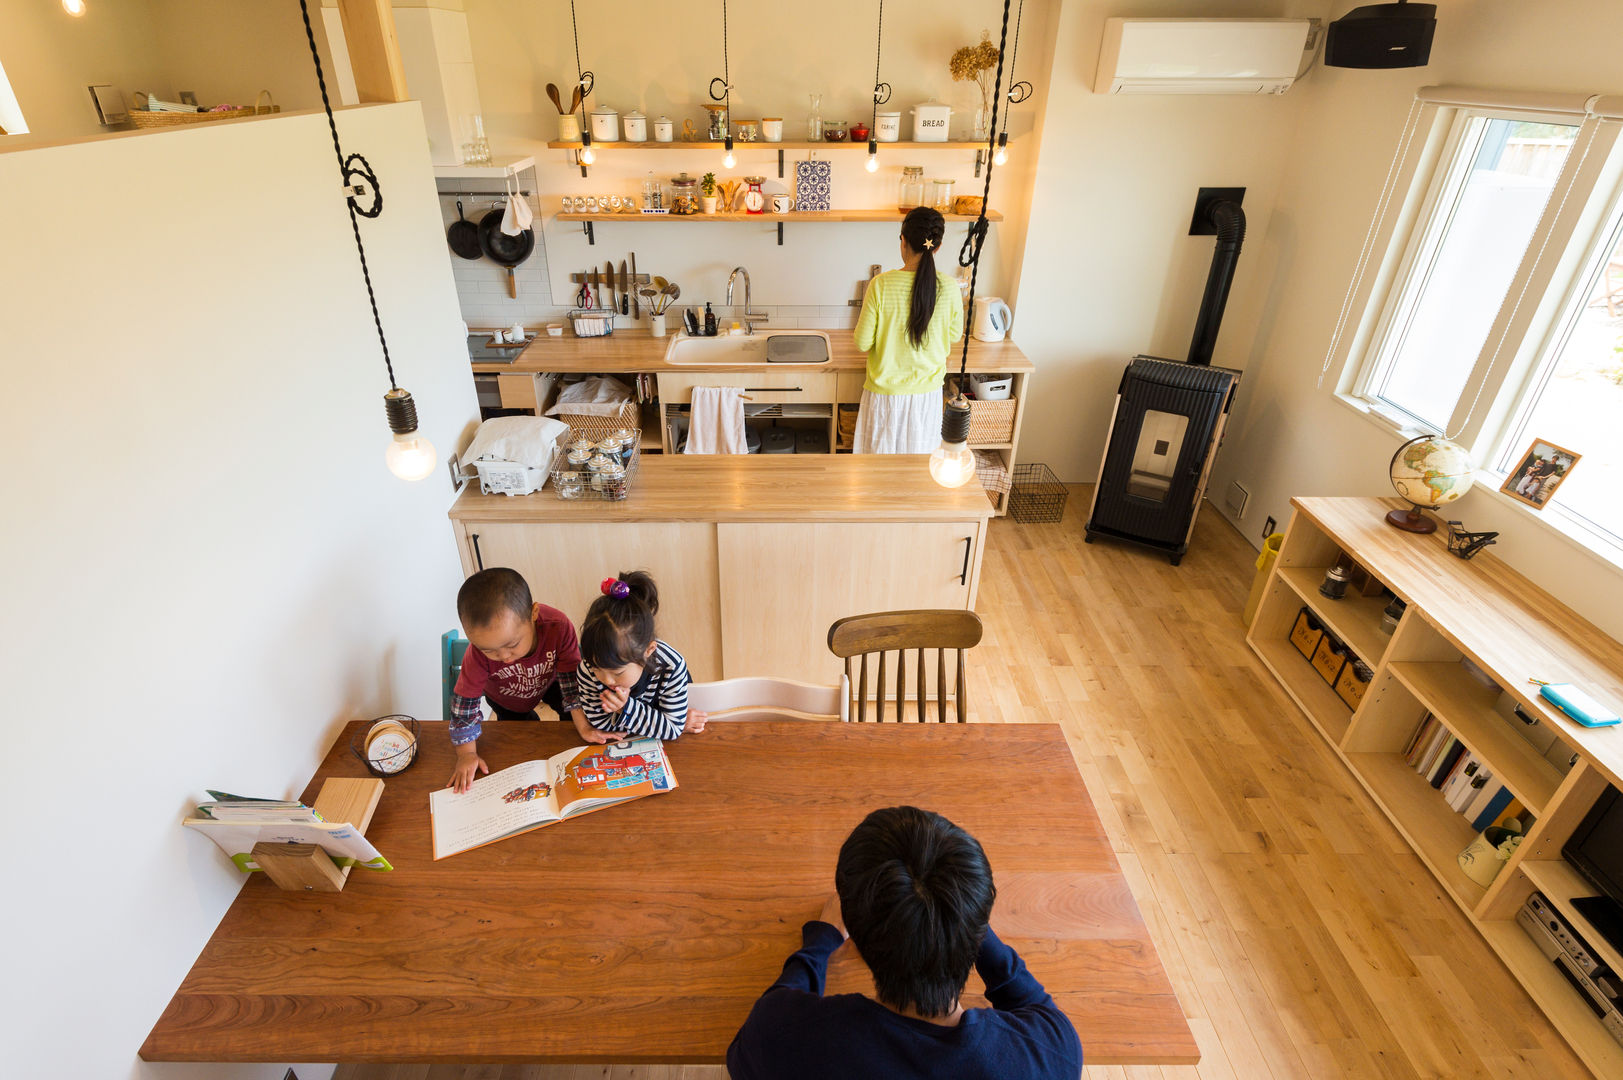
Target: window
(11,114)
(1496,314)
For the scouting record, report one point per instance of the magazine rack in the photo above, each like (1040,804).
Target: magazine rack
(306,867)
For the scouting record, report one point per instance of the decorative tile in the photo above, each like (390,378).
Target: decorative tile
(813,185)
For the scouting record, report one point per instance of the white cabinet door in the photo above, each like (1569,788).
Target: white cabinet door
(564,565)
(783,585)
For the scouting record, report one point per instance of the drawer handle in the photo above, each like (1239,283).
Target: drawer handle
(963,578)
(478,558)
(772,390)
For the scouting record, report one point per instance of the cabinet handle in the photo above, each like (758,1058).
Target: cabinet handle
(478,559)
(963,577)
(772,390)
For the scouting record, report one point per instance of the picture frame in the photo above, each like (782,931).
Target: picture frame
(1540,470)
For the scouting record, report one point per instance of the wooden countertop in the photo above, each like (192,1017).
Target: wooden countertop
(633,350)
(752,487)
(645,933)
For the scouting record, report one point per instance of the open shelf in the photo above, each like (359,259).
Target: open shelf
(1558,881)
(762,144)
(1436,833)
(1354,619)
(799,217)
(496,170)
(1465,707)
(1328,712)
(1560,1001)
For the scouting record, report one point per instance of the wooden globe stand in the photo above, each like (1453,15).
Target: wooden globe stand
(1411,520)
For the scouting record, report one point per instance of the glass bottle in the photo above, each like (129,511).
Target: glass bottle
(910,193)
(814,122)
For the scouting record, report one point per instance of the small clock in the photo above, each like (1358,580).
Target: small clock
(754,199)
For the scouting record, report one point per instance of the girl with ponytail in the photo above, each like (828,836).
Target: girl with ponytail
(910,319)
(631,685)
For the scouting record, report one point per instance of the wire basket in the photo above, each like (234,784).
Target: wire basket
(388,745)
(569,482)
(1037,494)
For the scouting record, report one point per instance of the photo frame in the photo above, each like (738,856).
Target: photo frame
(1540,470)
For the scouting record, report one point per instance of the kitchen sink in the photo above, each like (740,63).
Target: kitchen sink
(728,351)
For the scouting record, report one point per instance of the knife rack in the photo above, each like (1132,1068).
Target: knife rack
(635,279)
(306,867)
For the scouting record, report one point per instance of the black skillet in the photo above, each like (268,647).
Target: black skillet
(505,250)
(463,235)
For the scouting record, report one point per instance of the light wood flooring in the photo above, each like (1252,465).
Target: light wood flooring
(1303,937)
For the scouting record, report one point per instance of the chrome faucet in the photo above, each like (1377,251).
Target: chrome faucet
(750,317)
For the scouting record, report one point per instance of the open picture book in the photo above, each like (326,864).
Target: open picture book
(534,794)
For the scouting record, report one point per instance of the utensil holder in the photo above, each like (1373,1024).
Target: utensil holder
(656,325)
(568,128)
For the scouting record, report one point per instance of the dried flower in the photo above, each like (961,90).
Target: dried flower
(977,63)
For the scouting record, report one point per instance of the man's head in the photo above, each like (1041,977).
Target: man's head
(497,614)
(916,895)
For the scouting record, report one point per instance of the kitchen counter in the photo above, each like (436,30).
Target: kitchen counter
(635,350)
(751,487)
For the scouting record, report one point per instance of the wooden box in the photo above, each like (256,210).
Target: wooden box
(1353,683)
(1306,634)
(1328,659)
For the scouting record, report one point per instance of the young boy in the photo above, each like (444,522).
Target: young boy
(520,654)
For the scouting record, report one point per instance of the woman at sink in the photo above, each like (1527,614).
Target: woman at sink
(910,319)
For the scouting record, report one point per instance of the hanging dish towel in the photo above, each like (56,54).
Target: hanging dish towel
(518,216)
(717,423)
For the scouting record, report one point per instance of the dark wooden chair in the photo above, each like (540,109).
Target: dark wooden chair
(900,631)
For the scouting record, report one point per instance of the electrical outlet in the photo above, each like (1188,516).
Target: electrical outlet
(457,480)
(1268,528)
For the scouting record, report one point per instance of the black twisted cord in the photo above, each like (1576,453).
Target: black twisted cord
(583,78)
(726,71)
(350,171)
(879,44)
(1022,89)
(970,254)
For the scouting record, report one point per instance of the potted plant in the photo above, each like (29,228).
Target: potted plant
(707,193)
(978,64)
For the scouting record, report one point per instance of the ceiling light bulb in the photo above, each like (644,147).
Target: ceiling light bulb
(729,161)
(953,463)
(587,155)
(1001,155)
(74,7)
(410,457)
(873,156)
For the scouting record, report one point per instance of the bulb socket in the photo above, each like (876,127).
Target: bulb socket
(873,147)
(955,420)
(1003,140)
(727,144)
(402,411)
(585,133)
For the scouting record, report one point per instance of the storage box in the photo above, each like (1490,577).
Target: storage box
(1354,681)
(1306,634)
(992,387)
(1329,659)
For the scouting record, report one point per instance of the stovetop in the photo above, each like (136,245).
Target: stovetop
(481,351)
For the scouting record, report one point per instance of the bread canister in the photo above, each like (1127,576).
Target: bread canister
(929,122)
(605,124)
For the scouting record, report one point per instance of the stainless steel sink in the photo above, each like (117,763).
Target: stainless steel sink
(729,351)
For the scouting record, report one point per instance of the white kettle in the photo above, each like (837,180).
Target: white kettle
(992,318)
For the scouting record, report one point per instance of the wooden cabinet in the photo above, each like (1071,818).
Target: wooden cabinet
(518,391)
(784,584)
(565,564)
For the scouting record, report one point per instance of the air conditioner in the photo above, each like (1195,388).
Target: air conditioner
(1200,56)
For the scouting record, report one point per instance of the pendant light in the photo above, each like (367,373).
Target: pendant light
(584,81)
(881,94)
(409,455)
(725,95)
(1018,92)
(75,8)
(953,463)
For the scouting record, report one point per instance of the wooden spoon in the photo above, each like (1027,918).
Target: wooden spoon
(574,101)
(557,102)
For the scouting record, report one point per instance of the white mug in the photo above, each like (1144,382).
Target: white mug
(781,203)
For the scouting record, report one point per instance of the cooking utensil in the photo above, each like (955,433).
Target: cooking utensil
(574,100)
(463,235)
(671,293)
(506,251)
(597,290)
(659,282)
(625,290)
(634,307)
(557,102)
(608,277)
(583,295)
(690,322)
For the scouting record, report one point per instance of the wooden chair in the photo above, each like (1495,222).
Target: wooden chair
(769,699)
(881,632)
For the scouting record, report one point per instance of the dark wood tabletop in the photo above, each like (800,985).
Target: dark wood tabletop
(644,932)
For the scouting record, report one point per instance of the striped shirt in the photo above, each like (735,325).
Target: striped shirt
(895,364)
(658,706)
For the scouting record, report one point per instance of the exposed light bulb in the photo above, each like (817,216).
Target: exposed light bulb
(410,457)
(587,155)
(1001,155)
(952,464)
(729,161)
(873,156)
(74,7)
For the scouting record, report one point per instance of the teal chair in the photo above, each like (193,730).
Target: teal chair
(452,646)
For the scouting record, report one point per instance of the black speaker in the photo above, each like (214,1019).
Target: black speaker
(1382,36)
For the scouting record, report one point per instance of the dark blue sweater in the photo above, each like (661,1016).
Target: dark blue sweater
(794,1031)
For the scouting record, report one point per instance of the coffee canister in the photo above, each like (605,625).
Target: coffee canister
(772,128)
(636,127)
(887,127)
(664,130)
(605,124)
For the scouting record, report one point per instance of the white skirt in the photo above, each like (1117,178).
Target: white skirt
(899,423)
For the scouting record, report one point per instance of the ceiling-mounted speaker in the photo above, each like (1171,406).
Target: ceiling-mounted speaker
(1382,36)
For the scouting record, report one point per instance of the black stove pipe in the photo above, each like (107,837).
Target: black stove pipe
(1229,220)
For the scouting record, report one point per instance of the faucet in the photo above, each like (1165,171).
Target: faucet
(750,317)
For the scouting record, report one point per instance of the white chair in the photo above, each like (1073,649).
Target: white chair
(769,699)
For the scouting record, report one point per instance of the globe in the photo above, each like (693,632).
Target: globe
(1428,471)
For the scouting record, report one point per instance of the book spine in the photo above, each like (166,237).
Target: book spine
(1446,761)
(1482,793)
(1490,813)
(1417,737)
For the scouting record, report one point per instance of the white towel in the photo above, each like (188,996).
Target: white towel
(717,422)
(517,216)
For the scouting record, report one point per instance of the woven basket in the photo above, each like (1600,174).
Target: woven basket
(262,105)
(991,421)
(595,427)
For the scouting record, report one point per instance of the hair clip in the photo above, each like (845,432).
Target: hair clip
(928,244)
(616,588)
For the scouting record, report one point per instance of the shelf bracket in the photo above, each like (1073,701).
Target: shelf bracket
(591,239)
(583,165)
(780,169)
(780,234)
(980,159)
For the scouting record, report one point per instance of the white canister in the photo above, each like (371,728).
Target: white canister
(664,130)
(887,127)
(772,128)
(569,128)
(929,122)
(605,124)
(636,127)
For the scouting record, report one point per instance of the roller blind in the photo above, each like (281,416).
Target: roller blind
(1602,106)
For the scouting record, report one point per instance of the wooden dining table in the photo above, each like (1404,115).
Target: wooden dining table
(643,933)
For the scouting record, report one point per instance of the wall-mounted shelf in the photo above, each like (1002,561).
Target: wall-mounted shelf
(799,217)
(762,144)
(498,170)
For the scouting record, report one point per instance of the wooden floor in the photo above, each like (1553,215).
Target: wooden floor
(1302,936)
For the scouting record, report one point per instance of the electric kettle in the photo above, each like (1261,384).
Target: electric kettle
(992,318)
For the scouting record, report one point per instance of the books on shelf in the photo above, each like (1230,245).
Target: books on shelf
(245,810)
(1465,781)
(535,794)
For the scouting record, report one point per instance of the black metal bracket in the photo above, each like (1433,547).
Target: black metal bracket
(591,239)
(980,159)
(1201,224)
(780,234)
(780,164)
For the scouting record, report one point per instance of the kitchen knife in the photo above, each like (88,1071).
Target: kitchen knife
(625,290)
(608,278)
(636,311)
(597,289)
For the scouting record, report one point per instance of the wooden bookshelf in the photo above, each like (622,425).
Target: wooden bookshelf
(1484,612)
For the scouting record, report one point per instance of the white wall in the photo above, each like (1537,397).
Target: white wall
(207,567)
(1289,436)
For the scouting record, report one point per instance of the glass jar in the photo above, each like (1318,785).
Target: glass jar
(1334,586)
(747,131)
(653,195)
(684,194)
(583,446)
(941,195)
(610,448)
(718,122)
(834,131)
(814,122)
(613,481)
(628,445)
(911,191)
(567,484)
(594,470)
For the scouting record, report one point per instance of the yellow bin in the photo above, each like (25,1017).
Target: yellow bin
(1265,563)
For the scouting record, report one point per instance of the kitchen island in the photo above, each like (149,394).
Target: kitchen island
(755,556)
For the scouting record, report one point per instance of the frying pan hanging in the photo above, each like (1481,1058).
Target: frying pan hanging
(504,250)
(463,235)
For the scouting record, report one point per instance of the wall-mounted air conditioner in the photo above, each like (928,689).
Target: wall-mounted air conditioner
(1200,56)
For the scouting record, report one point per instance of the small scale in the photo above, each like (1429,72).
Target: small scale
(796,349)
